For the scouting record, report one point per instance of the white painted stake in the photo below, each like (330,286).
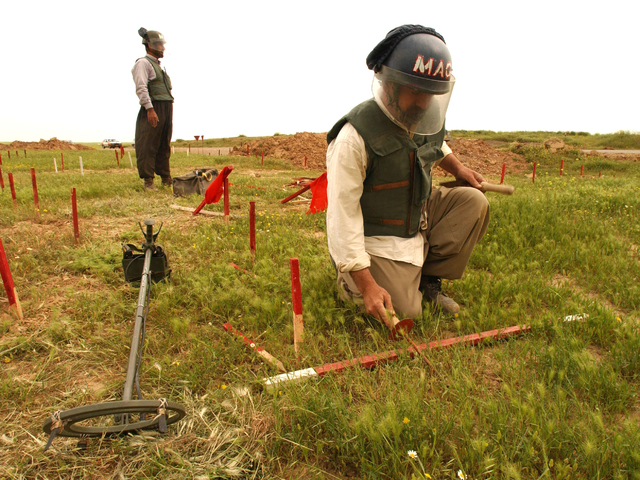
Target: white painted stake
(81,169)
(173,150)
(187,152)
(55,164)
(130,162)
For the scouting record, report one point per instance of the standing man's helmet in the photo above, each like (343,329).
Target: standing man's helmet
(153,40)
(412,83)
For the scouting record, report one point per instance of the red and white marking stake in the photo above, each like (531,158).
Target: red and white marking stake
(226,200)
(35,190)
(74,210)
(296,302)
(252,230)
(9,287)
(370,361)
(13,189)
(259,350)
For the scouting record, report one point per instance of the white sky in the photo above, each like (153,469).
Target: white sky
(260,67)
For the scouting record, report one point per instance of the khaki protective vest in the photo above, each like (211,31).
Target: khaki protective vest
(398,180)
(160,87)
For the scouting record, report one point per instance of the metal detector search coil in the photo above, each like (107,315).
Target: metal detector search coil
(127,415)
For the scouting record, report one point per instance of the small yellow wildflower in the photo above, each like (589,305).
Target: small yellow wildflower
(223,386)
(405,421)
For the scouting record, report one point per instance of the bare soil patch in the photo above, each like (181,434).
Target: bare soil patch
(476,154)
(51,144)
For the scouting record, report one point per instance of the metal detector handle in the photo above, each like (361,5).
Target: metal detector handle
(149,236)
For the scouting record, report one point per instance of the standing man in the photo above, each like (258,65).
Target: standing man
(390,237)
(154,124)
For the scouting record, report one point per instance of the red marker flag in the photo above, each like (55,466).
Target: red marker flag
(319,194)
(214,191)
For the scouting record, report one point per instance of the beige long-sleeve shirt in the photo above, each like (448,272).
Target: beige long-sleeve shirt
(143,73)
(347,163)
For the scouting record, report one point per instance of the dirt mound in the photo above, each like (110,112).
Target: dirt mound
(291,148)
(52,144)
(481,157)
(476,154)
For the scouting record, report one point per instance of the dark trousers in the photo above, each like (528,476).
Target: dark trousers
(153,144)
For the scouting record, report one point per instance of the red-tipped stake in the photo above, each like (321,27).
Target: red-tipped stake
(218,152)
(117,157)
(1,179)
(35,190)
(296,302)
(252,230)
(561,168)
(74,209)
(0,159)
(9,154)
(13,189)
(502,175)
(17,156)
(599,174)
(226,201)
(262,159)
(121,151)
(62,160)
(533,179)
(247,149)
(25,153)
(9,287)
(189,149)
(305,160)
(581,170)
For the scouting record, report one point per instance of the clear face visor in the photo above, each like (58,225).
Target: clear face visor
(158,46)
(417,104)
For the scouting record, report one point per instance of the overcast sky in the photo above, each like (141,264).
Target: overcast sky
(258,67)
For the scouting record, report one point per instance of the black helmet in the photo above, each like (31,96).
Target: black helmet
(415,57)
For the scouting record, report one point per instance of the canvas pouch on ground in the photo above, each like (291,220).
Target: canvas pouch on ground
(133,264)
(196,181)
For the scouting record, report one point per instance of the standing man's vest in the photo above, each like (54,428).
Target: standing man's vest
(160,87)
(398,181)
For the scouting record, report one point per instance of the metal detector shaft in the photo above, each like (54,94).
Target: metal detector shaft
(137,328)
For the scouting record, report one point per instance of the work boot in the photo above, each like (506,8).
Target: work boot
(431,288)
(166,181)
(148,184)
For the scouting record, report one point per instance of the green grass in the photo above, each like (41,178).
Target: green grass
(558,402)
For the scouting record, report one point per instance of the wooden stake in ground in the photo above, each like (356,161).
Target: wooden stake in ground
(259,350)
(581,170)
(0,159)
(35,190)
(296,302)
(561,168)
(130,161)
(117,158)
(1,179)
(226,200)
(9,287)
(62,160)
(81,168)
(533,178)
(74,210)
(25,153)
(252,230)
(9,154)
(502,176)
(13,189)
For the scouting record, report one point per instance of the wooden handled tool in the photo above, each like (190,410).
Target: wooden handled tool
(486,186)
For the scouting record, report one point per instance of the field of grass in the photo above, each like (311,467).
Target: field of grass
(560,401)
(581,140)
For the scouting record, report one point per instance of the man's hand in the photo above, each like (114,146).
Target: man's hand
(472,177)
(451,164)
(376,299)
(152,117)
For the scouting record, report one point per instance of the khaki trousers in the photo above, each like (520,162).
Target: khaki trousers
(153,144)
(457,218)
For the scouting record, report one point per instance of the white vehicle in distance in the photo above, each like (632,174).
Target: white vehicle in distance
(111,143)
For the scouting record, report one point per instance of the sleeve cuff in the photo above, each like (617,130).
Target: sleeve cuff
(359,263)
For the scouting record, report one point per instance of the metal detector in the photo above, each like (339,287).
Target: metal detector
(128,415)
